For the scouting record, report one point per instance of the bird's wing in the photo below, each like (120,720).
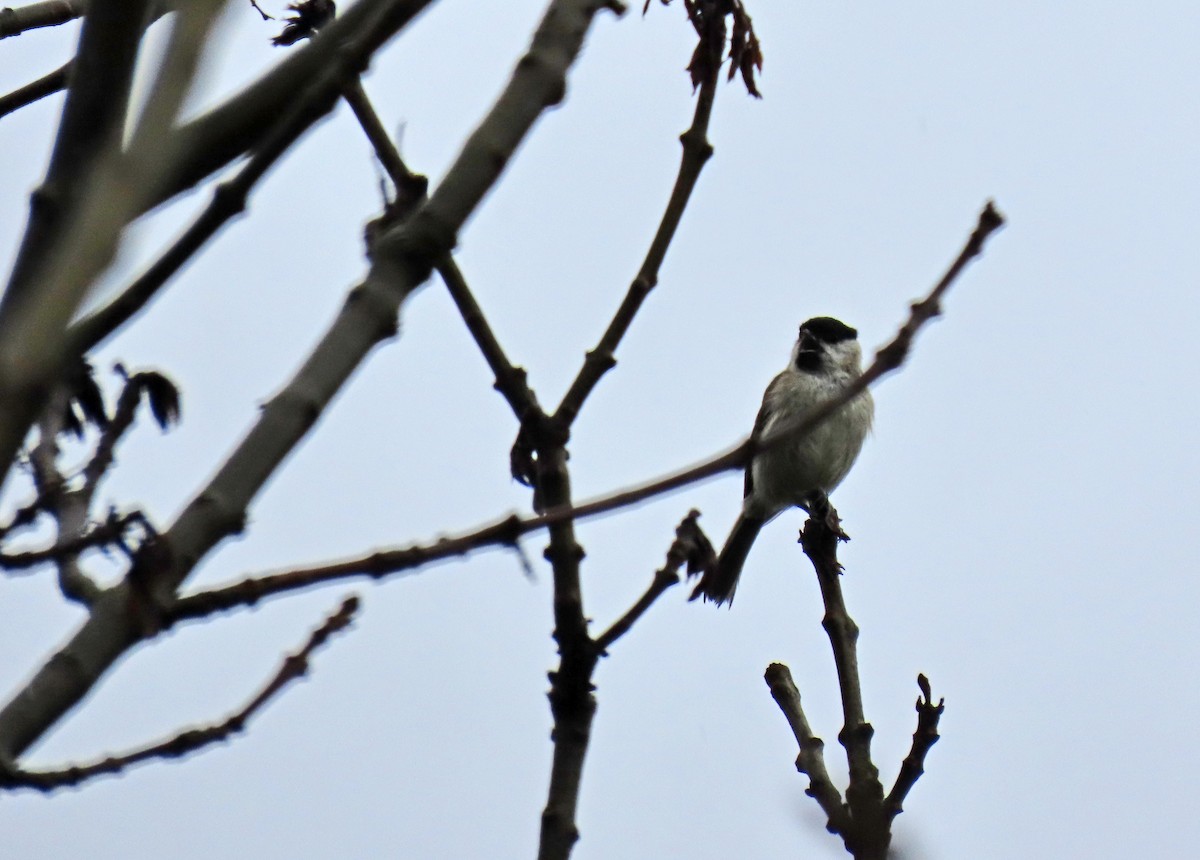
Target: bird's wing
(760,426)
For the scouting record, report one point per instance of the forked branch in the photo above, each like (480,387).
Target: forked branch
(293,668)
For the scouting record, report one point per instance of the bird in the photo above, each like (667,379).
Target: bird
(801,472)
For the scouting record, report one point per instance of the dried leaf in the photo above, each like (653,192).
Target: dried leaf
(163,396)
(311,16)
(707,18)
(91,401)
(693,544)
(745,53)
(85,400)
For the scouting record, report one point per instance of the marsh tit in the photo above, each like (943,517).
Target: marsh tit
(801,472)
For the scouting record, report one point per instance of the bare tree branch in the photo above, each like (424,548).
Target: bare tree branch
(540,459)
(110,531)
(377,565)
(49,13)
(294,667)
(237,126)
(410,189)
(869,835)
(811,758)
(507,530)
(696,153)
(864,820)
(691,548)
(185,157)
(403,258)
(926,735)
(228,200)
(92,189)
(105,453)
(68,509)
(35,90)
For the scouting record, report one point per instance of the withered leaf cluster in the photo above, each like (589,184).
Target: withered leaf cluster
(310,16)
(708,20)
(692,546)
(85,402)
(160,393)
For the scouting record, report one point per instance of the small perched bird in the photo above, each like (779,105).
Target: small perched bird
(801,472)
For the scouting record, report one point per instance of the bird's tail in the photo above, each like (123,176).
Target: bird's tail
(720,581)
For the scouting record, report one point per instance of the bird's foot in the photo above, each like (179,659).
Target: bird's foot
(822,510)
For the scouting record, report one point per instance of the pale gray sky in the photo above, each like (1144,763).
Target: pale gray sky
(1022,516)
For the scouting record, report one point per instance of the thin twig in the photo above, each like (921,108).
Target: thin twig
(228,200)
(925,736)
(68,509)
(691,549)
(811,758)
(294,667)
(24,516)
(887,360)
(118,426)
(100,534)
(251,590)
(35,90)
(411,188)
(696,153)
(662,582)
(238,125)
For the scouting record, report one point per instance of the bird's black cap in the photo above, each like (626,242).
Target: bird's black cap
(828,330)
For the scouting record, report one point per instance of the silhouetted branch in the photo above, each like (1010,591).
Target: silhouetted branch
(504,531)
(696,153)
(69,509)
(118,426)
(49,13)
(111,531)
(228,200)
(92,120)
(888,359)
(926,735)
(864,820)
(864,795)
(539,458)
(691,548)
(294,667)
(402,260)
(377,565)
(511,381)
(411,188)
(35,90)
(811,758)
(239,125)
(24,516)
(93,187)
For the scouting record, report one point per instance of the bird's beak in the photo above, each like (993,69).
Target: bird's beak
(808,344)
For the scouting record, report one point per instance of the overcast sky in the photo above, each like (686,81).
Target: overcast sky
(1022,517)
